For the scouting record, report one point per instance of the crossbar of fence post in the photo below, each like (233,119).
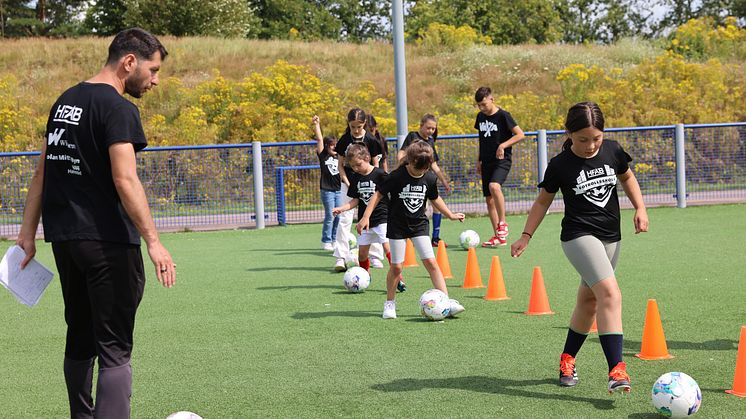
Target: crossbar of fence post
(680,166)
(541,153)
(258,170)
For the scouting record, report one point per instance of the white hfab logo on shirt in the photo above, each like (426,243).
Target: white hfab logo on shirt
(596,184)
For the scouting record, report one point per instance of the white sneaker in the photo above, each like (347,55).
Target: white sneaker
(327,246)
(389,309)
(456,308)
(376,263)
(340,265)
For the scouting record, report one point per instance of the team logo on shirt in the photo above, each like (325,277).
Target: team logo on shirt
(596,184)
(68,114)
(487,127)
(413,197)
(366,189)
(332,164)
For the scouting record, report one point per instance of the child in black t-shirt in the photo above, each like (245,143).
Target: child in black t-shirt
(365,180)
(428,133)
(407,188)
(357,132)
(329,184)
(497,134)
(373,128)
(587,171)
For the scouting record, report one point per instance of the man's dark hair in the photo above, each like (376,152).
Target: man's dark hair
(482,93)
(135,41)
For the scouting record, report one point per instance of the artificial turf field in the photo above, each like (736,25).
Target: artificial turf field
(259,326)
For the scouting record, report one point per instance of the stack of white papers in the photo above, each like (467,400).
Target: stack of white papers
(26,285)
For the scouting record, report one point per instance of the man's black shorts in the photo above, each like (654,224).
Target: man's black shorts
(494,172)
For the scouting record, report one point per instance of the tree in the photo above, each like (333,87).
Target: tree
(285,19)
(106,17)
(17,18)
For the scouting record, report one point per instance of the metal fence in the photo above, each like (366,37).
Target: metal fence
(208,187)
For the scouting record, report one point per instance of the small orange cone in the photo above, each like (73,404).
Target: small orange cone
(442,259)
(496,284)
(538,304)
(410,259)
(594,327)
(739,379)
(653,340)
(472,277)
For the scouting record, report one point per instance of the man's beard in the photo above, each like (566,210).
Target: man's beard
(133,86)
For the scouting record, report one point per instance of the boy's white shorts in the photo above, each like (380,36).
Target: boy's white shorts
(372,235)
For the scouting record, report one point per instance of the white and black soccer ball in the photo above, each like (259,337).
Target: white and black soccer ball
(356,279)
(184,415)
(676,395)
(435,304)
(468,239)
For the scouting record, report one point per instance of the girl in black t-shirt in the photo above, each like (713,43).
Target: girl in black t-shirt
(428,133)
(407,188)
(587,171)
(373,128)
(329,184)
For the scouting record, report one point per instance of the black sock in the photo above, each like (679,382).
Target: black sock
(612,346)
(573,342)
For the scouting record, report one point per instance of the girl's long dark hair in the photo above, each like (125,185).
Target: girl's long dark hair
(370,123)
(356,114)
(580,116)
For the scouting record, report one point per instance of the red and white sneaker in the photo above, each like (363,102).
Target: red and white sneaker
(493,242)
(502,233)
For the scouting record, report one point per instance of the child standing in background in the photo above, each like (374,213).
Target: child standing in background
(329,184)
(498,132)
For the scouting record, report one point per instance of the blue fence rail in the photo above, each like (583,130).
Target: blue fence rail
(209,187)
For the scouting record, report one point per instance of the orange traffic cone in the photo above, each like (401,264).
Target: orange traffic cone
(739,379)
(538,303)
(496,284)
(653,340)
(442,259)
(472,277)
(410,259)
(594,327)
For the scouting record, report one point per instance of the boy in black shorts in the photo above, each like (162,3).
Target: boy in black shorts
(498,131)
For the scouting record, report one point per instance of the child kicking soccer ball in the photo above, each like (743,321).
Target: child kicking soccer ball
(365,180)
(407,188)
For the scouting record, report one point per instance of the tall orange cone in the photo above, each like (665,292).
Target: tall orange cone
(442,259)
(496,284)
(472,277)
(653,340)
(739,379)
(538,304)
(410,259)
(594,327)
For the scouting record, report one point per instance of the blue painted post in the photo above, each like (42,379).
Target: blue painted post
(258,170)
(280,194)
(680,167)
(541,152)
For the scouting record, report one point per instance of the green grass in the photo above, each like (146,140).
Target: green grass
(258,326)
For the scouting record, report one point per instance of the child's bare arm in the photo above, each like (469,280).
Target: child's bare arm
(441,206)
(346,207)
(364,221)
(317,131)
(518,135)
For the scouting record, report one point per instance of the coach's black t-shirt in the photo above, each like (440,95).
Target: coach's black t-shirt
(494,130)
(79,200)
(374,147)
(415,136)
(329,180)
(407,196)
(364,187)
(589,191)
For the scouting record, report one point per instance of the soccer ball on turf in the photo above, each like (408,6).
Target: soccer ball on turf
(676,395)
(353,241)
(184,415)
(356,279)
(435,304)
(469,238)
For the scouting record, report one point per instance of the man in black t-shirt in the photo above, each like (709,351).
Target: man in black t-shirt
(94,210)
(497,134)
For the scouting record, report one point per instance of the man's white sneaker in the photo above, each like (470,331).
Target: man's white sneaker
(389,309)
(456,308)
(376,263)
(327,246)
(340,265)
